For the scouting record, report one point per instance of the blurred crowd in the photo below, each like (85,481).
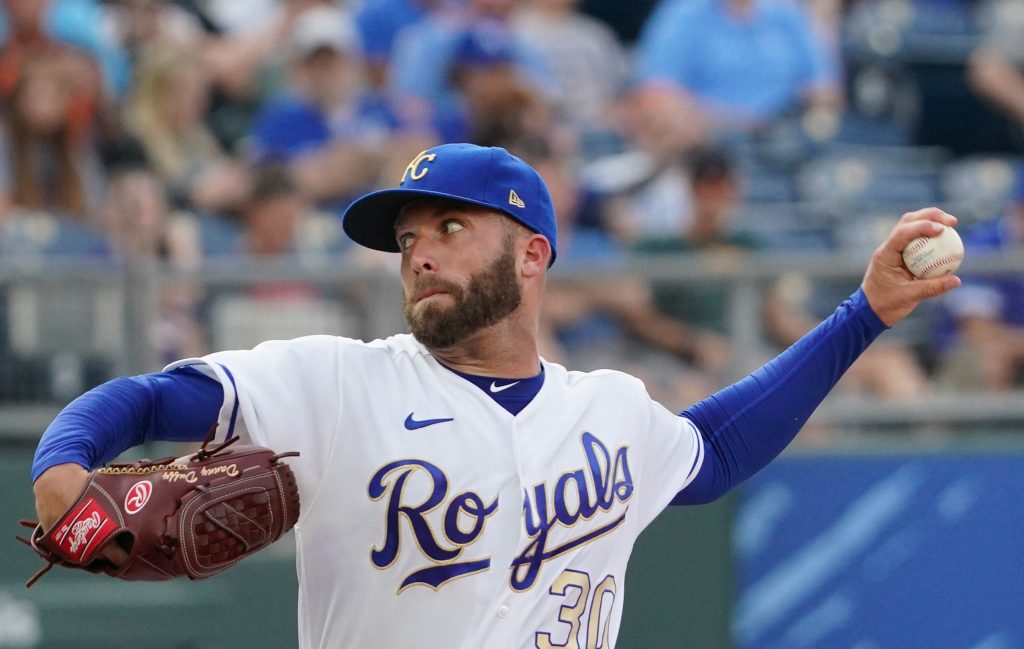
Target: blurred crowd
(186,130)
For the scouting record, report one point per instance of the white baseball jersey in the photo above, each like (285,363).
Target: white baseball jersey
(431,516)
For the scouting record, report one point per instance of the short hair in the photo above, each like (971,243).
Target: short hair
(512,227)
(271,180)
(710,164)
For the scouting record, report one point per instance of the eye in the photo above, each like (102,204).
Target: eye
(405,240)
(451,227)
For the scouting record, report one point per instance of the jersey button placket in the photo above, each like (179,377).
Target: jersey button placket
(518,449)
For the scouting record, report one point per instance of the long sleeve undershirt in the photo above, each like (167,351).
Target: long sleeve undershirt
(746,425)
(176,406)
(743,427)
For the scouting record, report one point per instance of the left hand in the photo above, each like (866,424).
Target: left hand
(891,289)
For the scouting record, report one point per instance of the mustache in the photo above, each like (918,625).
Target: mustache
(433,284)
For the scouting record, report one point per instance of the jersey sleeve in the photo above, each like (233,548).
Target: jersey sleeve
(284,395)
(672,456)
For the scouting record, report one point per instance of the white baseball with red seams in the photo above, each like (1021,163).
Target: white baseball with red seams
(928,257)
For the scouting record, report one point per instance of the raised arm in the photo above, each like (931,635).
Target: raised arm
(746,425)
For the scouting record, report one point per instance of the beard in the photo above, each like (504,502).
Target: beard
(491,294)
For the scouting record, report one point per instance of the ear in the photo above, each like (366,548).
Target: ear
(536,255)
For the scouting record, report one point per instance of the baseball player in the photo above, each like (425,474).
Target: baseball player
(457,490)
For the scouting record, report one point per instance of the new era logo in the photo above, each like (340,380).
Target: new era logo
(513,199)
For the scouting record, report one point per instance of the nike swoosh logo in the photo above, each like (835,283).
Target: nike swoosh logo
(495,388)
(414,424)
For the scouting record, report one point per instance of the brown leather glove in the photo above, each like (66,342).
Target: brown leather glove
(192,516)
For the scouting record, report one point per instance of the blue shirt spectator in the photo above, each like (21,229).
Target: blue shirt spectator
(755,59)
(329,130)
(291,125)
(380,21)
(584,55)
(492,102)
(324,103)
(425,52)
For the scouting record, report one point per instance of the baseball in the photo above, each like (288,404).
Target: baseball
(928,257)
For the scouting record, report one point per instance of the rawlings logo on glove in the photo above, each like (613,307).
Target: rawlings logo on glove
(192,516)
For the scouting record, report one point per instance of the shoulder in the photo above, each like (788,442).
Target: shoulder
(610,382)
(320,349)
(394,346)
(399,346)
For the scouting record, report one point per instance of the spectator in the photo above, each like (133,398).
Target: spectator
(612,319)
(27,26)
(649,185)
(584,56)
(982,344)
(330,134)
(48,158)
(425,51)
(995,69)
(703,306)
(891,371)
(139,227)
(240,52)
(379,23)
(273,221)
(166,113)
(234,42)
(272,214)
(495,104)
(707,67)
(138,25)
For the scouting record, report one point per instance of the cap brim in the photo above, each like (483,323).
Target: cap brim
(370,220)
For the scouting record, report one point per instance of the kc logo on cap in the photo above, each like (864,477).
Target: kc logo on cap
(413,171)
(488,177)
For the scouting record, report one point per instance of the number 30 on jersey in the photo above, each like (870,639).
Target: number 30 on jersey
(599,602)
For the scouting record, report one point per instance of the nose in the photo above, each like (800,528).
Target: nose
(421,256)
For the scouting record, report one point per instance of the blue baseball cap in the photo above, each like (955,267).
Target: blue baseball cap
(485,45)
(486,176)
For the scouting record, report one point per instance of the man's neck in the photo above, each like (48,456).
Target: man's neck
(504,350)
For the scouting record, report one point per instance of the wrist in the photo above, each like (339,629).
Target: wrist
(56,489)
(874,321)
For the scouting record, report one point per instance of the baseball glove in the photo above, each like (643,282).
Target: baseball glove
(192,516)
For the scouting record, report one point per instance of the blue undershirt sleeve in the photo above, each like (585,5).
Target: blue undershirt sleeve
(177,406)
(746,425)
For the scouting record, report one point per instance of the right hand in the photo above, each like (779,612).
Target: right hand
(56,490)
(891,290)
